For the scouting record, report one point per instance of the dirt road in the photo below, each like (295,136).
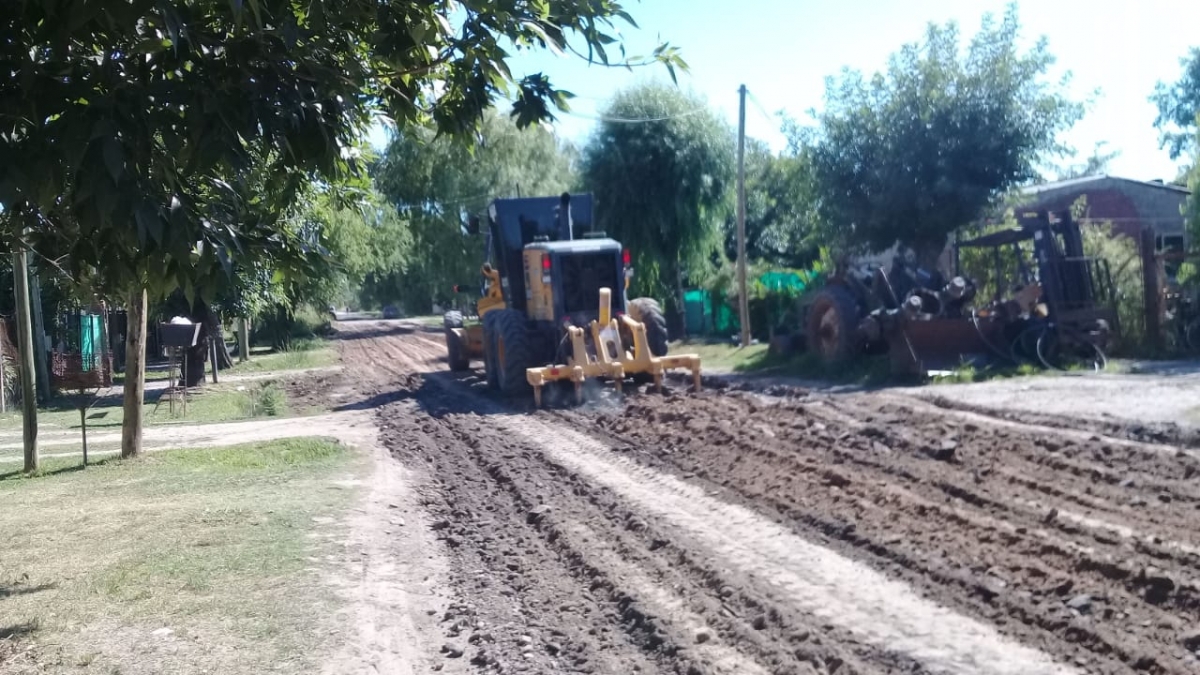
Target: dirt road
(785,532)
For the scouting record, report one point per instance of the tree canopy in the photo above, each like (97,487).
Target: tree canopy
(918,150)
(1179,108)
(436,183)
(124,122)
(781,214)
(661,165)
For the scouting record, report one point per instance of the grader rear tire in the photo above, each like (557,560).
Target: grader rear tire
(650,314)
(511,351)
(489,351)
(833,325)
(455,352)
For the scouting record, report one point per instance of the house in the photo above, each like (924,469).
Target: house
(1130,205)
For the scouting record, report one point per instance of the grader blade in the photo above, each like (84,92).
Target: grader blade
(609,358)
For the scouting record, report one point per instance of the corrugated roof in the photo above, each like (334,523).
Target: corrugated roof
(1086,180)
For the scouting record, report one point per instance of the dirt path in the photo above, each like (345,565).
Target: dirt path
(739,532)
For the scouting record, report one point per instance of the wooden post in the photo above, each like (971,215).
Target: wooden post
(135,375)
(212,353)
(1152,291)
(243,339)
(83,408)
(28,369)
(39,338)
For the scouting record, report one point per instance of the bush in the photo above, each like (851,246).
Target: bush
(266,400)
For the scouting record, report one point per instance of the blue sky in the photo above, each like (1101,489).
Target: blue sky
(782,51)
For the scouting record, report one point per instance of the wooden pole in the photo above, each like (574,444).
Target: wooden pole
(1152,291)
(243,340)
(743,300)
(83,407)
(39,338)
(135,375)
(28,368)
(212,352)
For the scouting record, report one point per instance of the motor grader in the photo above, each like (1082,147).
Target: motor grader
(554,306)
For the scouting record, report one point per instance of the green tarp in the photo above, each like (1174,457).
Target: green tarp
(706,315)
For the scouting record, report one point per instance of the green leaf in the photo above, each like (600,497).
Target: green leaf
(149,223)
(114,158)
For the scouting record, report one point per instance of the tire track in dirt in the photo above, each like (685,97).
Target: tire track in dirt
(877,498)
(423,352)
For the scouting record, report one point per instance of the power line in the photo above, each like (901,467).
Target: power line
(769,117)
(638,120)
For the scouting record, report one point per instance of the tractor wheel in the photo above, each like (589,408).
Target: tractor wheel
(489,351)
(455,354)
(511,351)
(650,314)
(832,325)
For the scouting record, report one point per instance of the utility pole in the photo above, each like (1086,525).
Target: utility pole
(25,348)
(743,301)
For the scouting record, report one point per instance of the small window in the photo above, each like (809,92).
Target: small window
(1169,243)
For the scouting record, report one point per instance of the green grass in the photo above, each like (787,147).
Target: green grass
(427,321)
(223,402)
(721,355)
(756,360)
(304,354)
(967,373)
(216,545)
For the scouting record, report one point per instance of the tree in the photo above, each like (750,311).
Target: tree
(914,152)
(1095,165)
(1179,107)
(436,183)
(781,216)
(661,165)
(123,123)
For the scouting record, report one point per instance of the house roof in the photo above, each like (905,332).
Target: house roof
(1098,181)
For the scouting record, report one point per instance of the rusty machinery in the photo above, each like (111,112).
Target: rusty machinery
(1052,306)
(550,310)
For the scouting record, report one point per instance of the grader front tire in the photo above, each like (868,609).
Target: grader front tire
(649,313)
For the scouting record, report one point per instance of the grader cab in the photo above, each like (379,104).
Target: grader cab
(555,306)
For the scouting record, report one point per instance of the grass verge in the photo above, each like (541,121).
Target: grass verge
(225,402)
(757,360)
(183,562)
(304,354)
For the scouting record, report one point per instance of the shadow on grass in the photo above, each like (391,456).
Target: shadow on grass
(10,589)
(18,474)
(864,371)
(19,630)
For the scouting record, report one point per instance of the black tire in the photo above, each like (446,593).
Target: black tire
(832,325)
(649,313)
(1191,336)
(489,351)
(511,351)
(455,353)
(1066,352)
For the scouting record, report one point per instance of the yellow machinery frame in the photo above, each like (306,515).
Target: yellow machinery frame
(612,360)
(471,337)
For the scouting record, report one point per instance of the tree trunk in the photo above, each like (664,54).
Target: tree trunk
(282,334)
(243,339)
(29,421)
(679,315)
(39,338)
(135,374)
(198,357)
